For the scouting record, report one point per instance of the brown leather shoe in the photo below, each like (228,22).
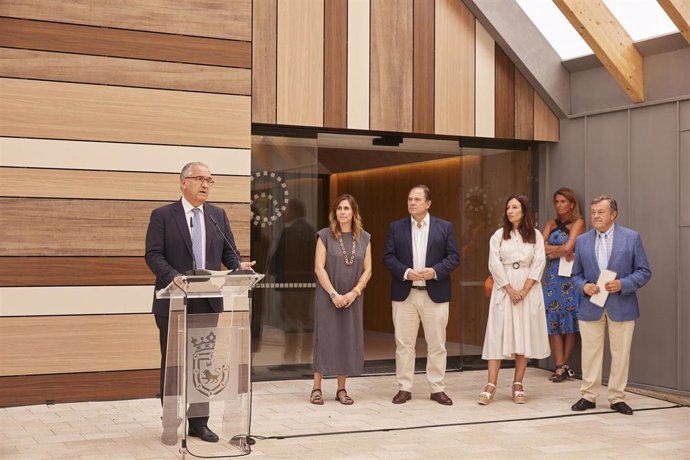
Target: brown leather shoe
(402,397)
(441,398)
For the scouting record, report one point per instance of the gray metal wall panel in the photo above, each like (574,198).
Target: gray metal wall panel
(685,179)
(567,163)
(684,315)
(607,160)
(653,213)
(685,115)
(667,75)
(595,89)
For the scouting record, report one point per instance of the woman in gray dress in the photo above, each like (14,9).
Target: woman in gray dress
(343,267)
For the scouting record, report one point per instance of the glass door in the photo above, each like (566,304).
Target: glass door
(488,178)
(294,181)
(284,220)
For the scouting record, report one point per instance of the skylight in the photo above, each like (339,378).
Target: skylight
(642,19)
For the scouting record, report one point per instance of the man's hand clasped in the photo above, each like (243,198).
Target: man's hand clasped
(611,287)
(425,274)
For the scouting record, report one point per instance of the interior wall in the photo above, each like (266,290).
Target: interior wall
(641,157)
(102,105)
(407,66)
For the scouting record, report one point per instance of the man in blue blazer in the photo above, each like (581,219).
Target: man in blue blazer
(420,253)
(618,249)
(170,251)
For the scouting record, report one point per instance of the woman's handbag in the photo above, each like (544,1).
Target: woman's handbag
(488,286)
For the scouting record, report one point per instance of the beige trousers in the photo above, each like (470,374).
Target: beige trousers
(434,317)
(620,339)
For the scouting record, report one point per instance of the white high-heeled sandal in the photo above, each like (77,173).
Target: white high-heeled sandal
(519,396)
(485,397)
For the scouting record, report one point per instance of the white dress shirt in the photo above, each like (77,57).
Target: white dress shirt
(420,240)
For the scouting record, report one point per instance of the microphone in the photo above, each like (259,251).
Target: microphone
(232,247)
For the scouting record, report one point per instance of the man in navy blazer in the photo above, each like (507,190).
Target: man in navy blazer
(170,253)
(420,253)
(618,249)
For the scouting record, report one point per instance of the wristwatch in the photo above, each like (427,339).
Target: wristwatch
(333,294)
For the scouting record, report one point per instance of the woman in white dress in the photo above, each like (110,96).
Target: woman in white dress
(516,328)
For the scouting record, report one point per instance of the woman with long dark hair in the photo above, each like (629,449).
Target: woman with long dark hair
(516,328)
(343,267)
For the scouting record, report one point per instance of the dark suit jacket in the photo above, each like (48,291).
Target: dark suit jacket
(628,260)
(169,248)
(441,254)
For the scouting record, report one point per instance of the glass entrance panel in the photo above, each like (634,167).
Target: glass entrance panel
(294,181)
(284,216)
(488,178)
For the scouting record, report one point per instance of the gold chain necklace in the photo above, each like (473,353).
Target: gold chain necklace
(348,260)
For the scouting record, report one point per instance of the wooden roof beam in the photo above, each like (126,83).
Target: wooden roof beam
(679,12)
(609,41)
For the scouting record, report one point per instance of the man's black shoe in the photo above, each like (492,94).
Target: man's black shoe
(583,404)
(203,433)
(622,408)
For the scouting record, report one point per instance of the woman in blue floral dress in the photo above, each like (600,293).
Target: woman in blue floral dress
(560,297)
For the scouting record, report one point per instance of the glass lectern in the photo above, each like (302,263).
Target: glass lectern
(207,372)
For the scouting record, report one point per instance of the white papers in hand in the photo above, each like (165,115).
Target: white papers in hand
(604,277)
(565,268)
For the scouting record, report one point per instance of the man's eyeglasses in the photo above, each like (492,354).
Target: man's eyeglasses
(202,179)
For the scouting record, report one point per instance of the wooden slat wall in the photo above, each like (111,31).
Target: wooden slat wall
(204,18)
(48,36)
(74,271)
(83,386)
(110,113)
(391,65)
(358,63)
(111,156)
(335,64)
(264,61)
(454,69)
(300,62)
(412,66)
(505,96)
(111,185)
(423,81)
(80,68)
(84,300)
(546,125)
(524,108)
(89,227)
(102,105)
(485,83)
(132,344)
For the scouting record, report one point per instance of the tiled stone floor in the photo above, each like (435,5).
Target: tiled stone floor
(289,427)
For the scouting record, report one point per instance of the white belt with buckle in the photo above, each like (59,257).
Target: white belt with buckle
(515,265)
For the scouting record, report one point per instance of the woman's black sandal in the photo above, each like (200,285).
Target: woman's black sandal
(559,377)
(316,397)
(346,400)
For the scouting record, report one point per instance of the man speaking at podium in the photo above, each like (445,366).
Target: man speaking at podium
(183,236)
